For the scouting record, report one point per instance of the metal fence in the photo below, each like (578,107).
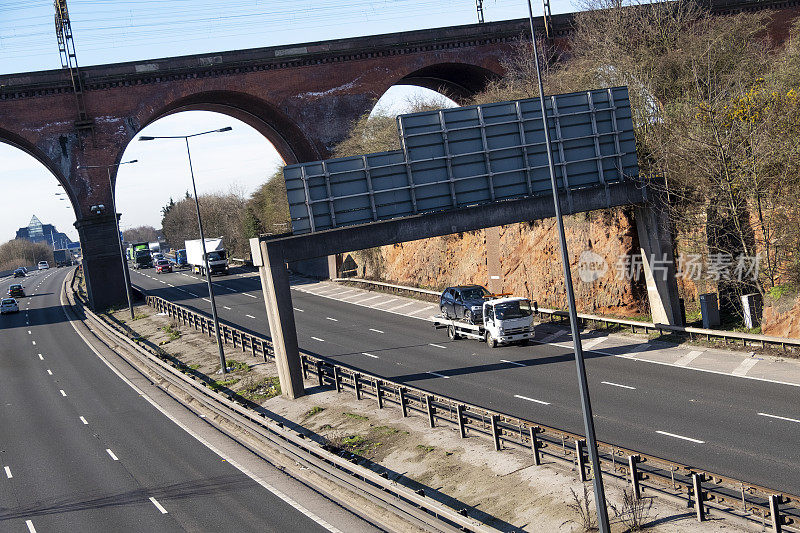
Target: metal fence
(636,326)
(641,471)
(466,156)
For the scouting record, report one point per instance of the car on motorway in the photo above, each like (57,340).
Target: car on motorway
(8,305)
(43,265)
(16,290)
(19,273)
(157,256)
(162,265)
(463,302)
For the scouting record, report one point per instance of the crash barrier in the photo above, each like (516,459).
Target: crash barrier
(643,472)
(636,326)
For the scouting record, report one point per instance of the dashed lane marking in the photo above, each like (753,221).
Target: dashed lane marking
(62,392)
(696,441)
(226,307)
(512,362)
(250,295)
(31,529)
(437,345)
(206,300)
(114,457)
(41,358)
(531,399)
(332,319)
(375,330)
(618,385)
(249,316)
(786,418)
(33,342)
(50,372)
(318,339)
(84,421)
(8,472)
(158,505)
(370,355)
(438,375)
(298,310)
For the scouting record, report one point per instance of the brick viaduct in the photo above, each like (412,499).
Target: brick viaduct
(302,98)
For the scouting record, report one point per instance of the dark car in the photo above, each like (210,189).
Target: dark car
(16,291)
(463,302)
(162,265)
(19,273)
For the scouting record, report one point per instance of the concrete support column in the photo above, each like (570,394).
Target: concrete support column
(334,265)
(493,267)
(278,300)
(102,265)
(658,261)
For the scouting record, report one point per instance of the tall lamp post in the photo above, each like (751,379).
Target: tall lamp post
(186,138)
(125,273)
(591,440)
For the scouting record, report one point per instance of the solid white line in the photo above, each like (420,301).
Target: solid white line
(375,330)
(332,319)
(84,421)
(298,310)
(681,437)
(249,316)
(618,385)
(318,339)
(8,472)
(370,355)
(684,360)
(531,399)
(31,529)
(250,295)
(437,345)
(49,371)
(512,362)
(438,375)
(112,454)
(780,417)
(158,505)
(62,392)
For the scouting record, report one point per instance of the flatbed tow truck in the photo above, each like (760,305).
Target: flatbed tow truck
(505,320)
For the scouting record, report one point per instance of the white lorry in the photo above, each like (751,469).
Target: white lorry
(505,320)
(217,256)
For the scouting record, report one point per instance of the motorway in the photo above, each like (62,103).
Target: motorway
(81,450)
(743,428)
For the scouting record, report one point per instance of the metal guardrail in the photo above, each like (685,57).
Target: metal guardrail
(722,493)
(747,339)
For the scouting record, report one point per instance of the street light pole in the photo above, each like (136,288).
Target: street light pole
(588,422)
(223,364)
(125,274)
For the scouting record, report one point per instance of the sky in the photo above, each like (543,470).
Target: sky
(111,31)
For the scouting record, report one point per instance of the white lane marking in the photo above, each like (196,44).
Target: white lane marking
(437,345)
(29,332)
(298,310)
(206,300)
(375,330)
(250,295)
(401,306)
(554,336)
(530,399)
(49,371)
(226,307)
(681,437)
(512,362)
(34,343)
(370,355)
(318,339)
(41,358)
(8,472)
(158,505)
(332,319)
(429,308)
(780,417)
(114,457)
(745,366)
(438,375)
(618,385)
(31,529)
(366,299)
(249,316)
(85,423)
(684,360)
(591,343)
(62,392)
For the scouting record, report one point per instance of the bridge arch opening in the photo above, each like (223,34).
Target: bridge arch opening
(37,207)
(458,81)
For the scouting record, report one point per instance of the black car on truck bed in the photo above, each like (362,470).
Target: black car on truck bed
(465,302)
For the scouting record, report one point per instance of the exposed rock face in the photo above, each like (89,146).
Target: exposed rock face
(782,318)
(530,262)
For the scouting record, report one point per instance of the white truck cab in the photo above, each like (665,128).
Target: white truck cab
(505,320)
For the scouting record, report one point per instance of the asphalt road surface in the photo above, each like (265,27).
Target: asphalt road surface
(701,419)
(80,450)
